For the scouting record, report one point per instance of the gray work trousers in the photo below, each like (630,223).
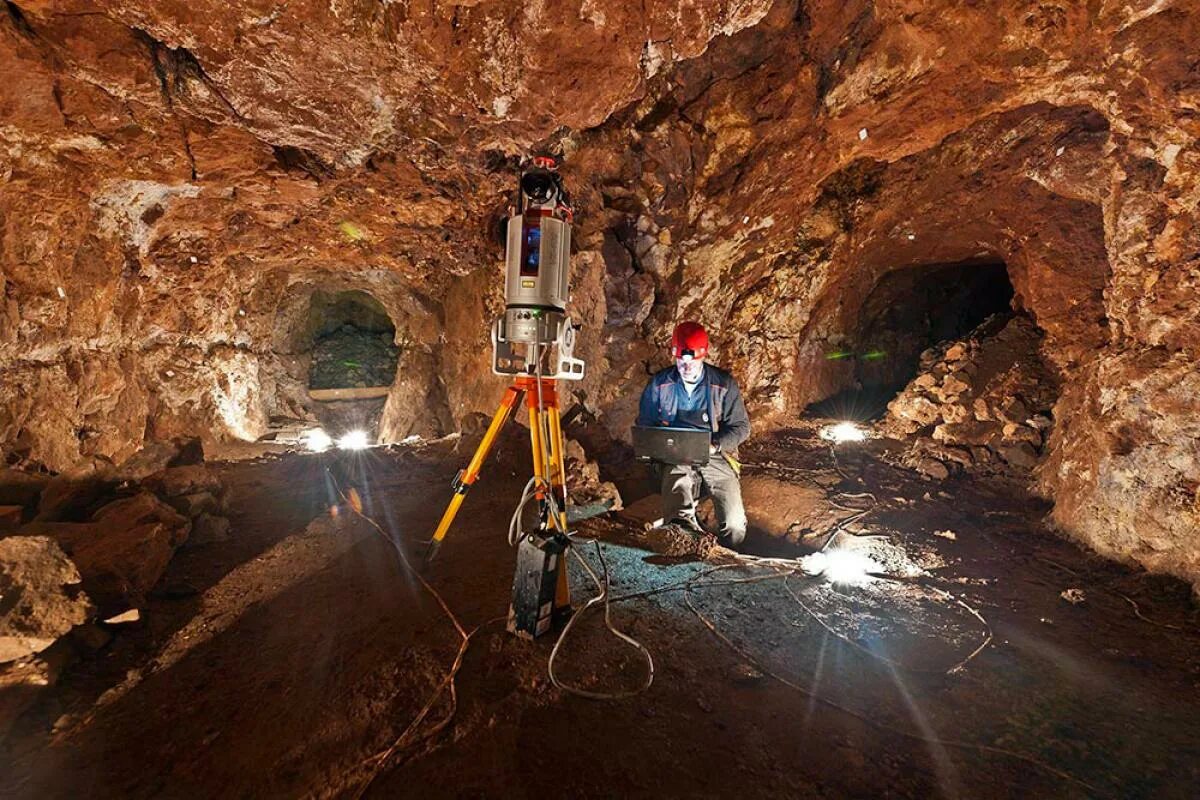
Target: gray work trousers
(683,486)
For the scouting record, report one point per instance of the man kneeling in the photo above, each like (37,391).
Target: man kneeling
(693,394)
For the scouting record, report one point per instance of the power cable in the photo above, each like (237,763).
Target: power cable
(378,762)
(602,587)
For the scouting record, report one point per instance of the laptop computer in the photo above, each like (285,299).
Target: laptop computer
(688,446)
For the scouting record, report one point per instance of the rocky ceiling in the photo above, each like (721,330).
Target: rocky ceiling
(177,178)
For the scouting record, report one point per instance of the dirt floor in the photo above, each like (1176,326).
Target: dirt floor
(290,660)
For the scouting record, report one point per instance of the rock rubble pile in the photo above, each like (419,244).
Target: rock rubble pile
(89,548)
(981,404)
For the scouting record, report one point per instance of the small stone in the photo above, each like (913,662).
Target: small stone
(209,529)
(1073,596)
(745,673)
(956,353)
(1020,455)
(959,455)
(953,412)
(1014,410)
(1040,422)
(125,617)
(91,636)
(955,384)
(71,498)
(915,409)
(39,595)
(155,457)
(1024,433)
(195,504)
(141,508)
(189,479)
(933,468)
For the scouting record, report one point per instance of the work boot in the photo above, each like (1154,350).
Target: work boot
(688,524)
(732,538)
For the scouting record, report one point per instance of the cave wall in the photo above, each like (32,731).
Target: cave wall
(170,172)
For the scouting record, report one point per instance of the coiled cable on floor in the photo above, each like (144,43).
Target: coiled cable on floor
(602,586)
(601,582)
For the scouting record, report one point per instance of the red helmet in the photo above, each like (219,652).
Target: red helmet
(689,339)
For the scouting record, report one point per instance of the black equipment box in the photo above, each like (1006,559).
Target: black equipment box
(539,562)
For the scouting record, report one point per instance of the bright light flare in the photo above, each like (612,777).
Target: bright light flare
(316,440)
(843,432)
(842,567)
(354,440)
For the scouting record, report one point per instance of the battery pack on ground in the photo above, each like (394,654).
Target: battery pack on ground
(535,584)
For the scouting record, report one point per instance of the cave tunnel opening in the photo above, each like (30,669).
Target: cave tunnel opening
(352,342)
(909,310)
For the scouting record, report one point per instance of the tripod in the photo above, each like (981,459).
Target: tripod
(541,593)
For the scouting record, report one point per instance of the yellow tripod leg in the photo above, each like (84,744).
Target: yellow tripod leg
(558,478)
(558,467)
(464,480)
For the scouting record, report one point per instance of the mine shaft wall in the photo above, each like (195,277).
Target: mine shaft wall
(165,185)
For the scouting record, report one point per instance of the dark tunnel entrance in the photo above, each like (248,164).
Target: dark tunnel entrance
(909,310)
(353,342)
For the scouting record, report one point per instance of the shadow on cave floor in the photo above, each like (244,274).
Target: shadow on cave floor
(316,652)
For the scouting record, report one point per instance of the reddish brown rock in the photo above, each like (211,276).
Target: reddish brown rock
(123,552)
(40,595)
(584,485)
(178,180)
(1124,465)
(179,481)
(1005,365)
(142,507)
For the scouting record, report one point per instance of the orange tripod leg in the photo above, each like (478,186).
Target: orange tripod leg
(512,397)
